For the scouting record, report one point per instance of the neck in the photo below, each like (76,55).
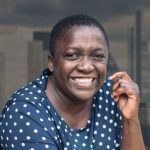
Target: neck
(74,113)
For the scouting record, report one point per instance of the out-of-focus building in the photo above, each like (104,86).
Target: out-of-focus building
(2,79)
(139,67)
(144,112)
(34,59)
(37,54)
(44,37)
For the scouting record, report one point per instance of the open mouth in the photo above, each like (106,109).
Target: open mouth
(83,81)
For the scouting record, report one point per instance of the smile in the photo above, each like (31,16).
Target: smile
(83,81)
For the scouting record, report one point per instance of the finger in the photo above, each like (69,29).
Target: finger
(116,98)
(118,92)
(122,87)
(120,75)
(116,85)
(120,83)
(117,74)
(129,87)
(125,91)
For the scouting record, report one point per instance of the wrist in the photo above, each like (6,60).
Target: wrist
(131,121)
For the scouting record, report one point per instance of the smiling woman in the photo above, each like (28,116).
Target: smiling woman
(83,56)
(71,105)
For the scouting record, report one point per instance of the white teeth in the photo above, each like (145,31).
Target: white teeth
(83,81)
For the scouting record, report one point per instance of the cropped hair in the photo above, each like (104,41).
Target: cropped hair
(67,23)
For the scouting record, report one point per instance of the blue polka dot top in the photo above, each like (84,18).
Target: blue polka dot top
(30,122)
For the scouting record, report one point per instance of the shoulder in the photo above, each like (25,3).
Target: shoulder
(25,117)
(31,93)
(27,103)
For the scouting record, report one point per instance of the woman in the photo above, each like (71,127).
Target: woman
(72,106)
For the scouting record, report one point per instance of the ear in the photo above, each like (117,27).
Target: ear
(50,63)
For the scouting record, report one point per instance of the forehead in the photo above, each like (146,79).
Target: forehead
(83,31)
(86,29)
(83,28)
(81,37)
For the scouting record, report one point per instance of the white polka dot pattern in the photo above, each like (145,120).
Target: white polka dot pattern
(30,122)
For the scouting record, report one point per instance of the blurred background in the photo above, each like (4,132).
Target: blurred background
(25,26)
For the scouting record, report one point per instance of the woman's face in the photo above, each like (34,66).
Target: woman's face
(79,63)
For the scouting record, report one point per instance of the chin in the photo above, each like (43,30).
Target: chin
(84,96)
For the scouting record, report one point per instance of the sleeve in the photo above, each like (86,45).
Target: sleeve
(24,127)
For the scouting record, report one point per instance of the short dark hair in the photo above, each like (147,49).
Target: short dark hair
(67,23)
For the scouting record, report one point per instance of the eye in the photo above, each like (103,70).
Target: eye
(71,56)
(98,57)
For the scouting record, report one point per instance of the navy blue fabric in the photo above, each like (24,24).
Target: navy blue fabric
(30,122)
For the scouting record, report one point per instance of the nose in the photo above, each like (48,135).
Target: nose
(85,65)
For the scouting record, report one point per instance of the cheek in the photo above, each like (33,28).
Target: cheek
(102,68)
(63,68)
(102,71)
(102,74)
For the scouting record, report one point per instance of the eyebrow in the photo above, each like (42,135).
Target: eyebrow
(99,49)
(95,49)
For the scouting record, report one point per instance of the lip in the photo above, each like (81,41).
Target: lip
(84,82)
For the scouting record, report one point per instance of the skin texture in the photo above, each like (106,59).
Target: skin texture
(81,57)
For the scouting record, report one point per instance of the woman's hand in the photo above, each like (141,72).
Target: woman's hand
(126,93)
